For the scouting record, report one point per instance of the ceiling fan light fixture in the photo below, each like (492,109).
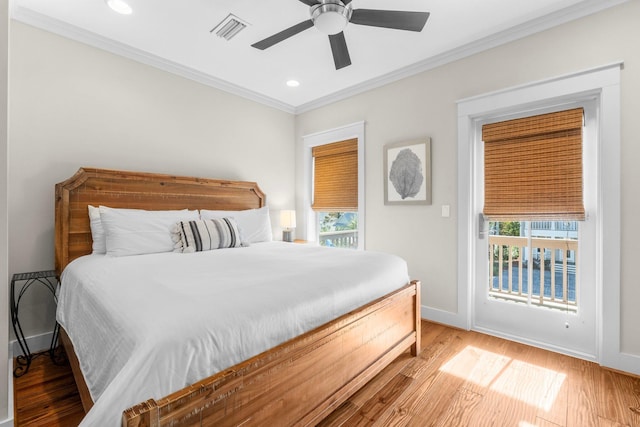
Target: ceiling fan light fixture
(331,16)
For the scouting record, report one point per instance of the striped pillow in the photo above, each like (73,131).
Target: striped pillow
(206,235)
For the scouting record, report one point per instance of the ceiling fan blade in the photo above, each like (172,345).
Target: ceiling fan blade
(309,2)
(398,20)
(346,2)
(283,35)
(340,51)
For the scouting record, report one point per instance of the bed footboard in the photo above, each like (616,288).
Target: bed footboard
(301,381)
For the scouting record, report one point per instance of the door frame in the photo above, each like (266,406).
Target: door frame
(578,336)
(603,83)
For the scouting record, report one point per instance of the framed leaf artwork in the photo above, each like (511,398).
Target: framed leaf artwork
(407,169)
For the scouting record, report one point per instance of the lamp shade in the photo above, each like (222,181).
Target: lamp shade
(288,219)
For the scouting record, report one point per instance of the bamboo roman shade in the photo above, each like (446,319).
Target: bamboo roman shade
(533,168)
(335,177)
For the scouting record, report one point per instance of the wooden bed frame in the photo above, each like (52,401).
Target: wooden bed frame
(299,382)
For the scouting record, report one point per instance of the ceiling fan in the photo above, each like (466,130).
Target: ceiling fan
(332,16)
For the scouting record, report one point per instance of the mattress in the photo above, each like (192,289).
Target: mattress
(145,326)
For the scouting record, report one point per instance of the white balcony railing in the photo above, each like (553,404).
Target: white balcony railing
(339,239)
(555,225)
(543,274)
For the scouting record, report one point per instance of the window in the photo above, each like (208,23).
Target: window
(338,229)
(537,254)
(533,195)
(335,193)
(333,200)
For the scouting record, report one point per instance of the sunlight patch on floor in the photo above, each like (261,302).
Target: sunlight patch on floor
(476,365)
(529,383)
(519,380)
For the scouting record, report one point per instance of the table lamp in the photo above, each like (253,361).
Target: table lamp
(288,223)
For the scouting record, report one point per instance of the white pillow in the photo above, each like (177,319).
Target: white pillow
(98,235)
(254,224)
(137,232)
(99,245)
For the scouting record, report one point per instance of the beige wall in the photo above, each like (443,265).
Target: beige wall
(425,105)
(73,105)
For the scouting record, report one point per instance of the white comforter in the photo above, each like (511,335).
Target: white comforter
(145,326)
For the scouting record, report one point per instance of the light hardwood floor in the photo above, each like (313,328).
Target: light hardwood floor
(460,379)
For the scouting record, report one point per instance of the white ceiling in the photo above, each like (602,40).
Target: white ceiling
(175,36)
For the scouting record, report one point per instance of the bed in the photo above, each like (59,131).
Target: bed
(298,381)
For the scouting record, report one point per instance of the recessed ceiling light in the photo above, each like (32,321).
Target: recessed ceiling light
(293,83)
(119,6)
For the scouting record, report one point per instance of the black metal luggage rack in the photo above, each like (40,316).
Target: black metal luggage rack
(49,280)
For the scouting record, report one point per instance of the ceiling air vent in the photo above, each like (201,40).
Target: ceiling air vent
(229,27)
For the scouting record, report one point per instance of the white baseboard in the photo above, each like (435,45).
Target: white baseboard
(442,316)
(36,343)
(534,343)
(626,362)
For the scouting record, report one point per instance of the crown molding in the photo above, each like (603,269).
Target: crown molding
(514,33)
(38,20)
(548,21)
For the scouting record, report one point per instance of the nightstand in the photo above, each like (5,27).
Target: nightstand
(20,283)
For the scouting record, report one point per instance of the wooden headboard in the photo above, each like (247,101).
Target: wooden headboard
(136,190)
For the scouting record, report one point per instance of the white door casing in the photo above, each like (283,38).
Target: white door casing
(602,84)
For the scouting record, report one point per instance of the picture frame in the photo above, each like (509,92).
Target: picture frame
(407,172)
